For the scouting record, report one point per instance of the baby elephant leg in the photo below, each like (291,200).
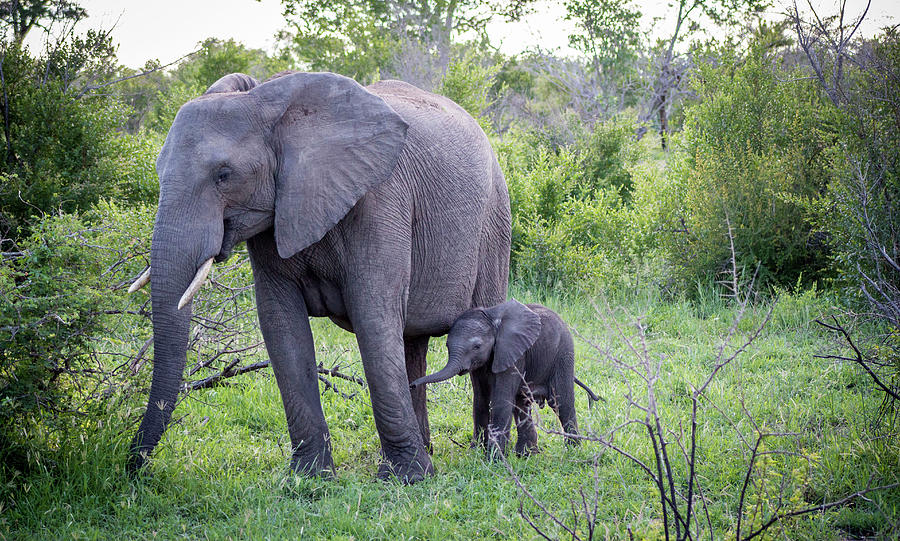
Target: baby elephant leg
(526,442)
(563,402)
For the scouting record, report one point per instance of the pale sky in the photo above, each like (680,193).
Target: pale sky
(168,29)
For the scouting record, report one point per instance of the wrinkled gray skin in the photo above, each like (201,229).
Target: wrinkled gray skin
(382,208)
(502,348)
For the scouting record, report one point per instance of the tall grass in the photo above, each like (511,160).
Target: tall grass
(221,469)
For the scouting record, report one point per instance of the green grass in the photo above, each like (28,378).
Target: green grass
(221,470)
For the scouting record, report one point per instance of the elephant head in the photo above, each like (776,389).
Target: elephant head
(295,153)
(499,335)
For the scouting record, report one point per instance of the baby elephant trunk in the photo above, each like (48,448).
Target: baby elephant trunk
(452,369)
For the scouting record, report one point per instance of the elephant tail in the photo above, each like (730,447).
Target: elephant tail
(591,396)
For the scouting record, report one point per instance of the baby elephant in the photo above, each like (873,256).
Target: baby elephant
(516,354)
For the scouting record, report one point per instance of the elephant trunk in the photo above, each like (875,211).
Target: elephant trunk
(173,265)
(453,368)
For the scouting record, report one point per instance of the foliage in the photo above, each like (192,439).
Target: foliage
(669,67)
(754,146)
(214,59)
(162,112)
(347,38)
(608,33)
(859,208)
(55,311)
(363,38)
(217,58)
(61,150)
(23,15)
(468,82)
(570,208)
(72,342)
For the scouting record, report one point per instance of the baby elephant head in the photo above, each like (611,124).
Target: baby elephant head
(500,334)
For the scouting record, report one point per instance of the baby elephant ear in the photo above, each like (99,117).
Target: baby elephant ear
(519,328)
(233,82)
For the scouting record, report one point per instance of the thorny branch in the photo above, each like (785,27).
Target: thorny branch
(857,358)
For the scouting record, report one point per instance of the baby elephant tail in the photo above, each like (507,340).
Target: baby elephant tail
(591,396)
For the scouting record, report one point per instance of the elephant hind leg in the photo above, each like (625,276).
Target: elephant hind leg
(563,403)
(415,350)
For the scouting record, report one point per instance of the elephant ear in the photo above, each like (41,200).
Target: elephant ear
(517,329)
(335,141)
(233,82)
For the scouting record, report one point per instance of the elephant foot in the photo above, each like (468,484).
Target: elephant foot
(407,471)
(527,448)
(313,463)
(495,451)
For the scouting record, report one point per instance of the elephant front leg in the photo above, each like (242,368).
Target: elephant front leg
(526,439)
(415,350)
(285,327)
(380,342)
(481,408)
(503,397)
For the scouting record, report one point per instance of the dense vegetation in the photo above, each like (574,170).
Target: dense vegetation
(690,206)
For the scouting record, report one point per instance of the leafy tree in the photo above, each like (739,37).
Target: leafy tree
(670,68)
(359,38)
(755,147)
(608,36)
(62,148)
(23,15)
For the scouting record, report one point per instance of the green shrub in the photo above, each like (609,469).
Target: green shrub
(468,82)
(752,147)
(63,152)
(72,342)
(570,223)
(56,312)
(859,209)
(605,157)
(168,102)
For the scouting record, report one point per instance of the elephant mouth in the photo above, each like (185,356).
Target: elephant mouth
(223,255)
(229,239)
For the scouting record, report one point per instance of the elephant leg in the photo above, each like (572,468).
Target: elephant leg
(503,398)
(380,338)
(526,439)
(415,350)
(564,405)
(285,327)
(481,410)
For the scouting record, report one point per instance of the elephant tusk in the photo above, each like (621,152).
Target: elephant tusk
(196,283)
(141,281)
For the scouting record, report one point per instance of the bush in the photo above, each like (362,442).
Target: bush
(72,342)
(56,313)
(570,219)
(859,209)
(468,82)
(62,152)
(605,157)
(753,148)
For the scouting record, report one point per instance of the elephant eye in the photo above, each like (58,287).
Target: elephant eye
(476,346)
(223,175)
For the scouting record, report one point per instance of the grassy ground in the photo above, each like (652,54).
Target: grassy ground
(221,470)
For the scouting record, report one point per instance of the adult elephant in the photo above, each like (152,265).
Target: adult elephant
(382,208)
